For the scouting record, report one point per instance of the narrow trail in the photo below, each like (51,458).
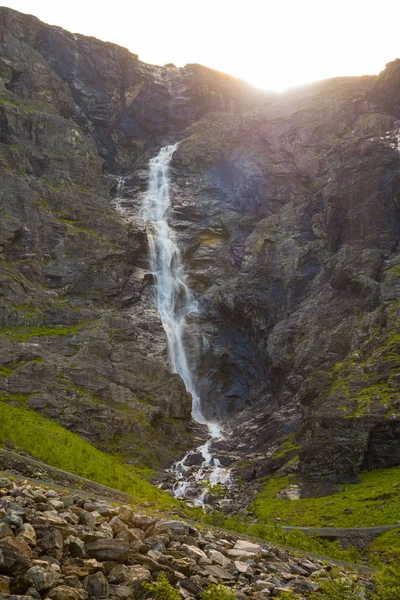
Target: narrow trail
(18,467)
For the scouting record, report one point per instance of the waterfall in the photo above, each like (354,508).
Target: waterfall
(174,298)
(175,301)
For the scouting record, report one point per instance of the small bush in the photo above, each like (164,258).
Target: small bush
(217,592)
(289,595)
(162,589)
(388,584)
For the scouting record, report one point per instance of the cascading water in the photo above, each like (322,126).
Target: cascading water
(175,301)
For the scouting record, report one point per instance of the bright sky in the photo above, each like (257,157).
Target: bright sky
(273,44)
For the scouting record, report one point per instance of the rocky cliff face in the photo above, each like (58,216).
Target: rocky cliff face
(287,212)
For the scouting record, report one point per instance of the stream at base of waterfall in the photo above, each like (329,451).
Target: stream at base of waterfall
(198,470)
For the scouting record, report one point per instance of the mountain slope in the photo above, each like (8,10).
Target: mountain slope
(286,209)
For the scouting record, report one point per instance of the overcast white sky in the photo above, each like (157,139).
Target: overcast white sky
(273,44)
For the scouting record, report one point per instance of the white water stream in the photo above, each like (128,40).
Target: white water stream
(175,302)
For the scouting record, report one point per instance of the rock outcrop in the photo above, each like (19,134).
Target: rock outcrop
(286,209)
(62,546)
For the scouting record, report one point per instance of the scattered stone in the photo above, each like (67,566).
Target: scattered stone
(76,546)
(5,531)
(52,541)
(5,582)
(77,550)
(244,568)
(63,592)
(129,575)
(15,556)
(27,533)
(105,549)
(6,483)
(174,527)
(218,558)
(97,586)
(42,579)
(218,572)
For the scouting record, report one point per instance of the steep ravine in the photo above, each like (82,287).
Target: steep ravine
(286,212)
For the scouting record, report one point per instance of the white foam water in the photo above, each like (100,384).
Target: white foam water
(175,301)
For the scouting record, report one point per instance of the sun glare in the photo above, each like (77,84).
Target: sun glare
(273,45)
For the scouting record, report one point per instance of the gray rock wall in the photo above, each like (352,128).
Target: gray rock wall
(286,210)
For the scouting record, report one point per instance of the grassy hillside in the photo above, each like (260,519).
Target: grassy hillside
(373,501)
(49,442)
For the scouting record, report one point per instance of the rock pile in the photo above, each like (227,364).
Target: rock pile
(65,547)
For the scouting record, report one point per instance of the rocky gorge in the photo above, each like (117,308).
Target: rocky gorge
(286,211)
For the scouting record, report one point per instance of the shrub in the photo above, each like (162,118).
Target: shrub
(338,587)
(387,584)
(217,592)
(162,589)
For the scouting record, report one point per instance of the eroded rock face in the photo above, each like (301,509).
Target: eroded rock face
(290,224)
(286,211)
(70,348)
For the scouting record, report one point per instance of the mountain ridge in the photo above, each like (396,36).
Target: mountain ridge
(286,212)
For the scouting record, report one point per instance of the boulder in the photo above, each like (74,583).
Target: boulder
(108,550)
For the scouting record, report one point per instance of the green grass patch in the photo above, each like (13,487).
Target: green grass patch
(6,371)
(286,447)
(294,539)
(22,334)
(24,107)
(49,442)
(385,549)
(374,501)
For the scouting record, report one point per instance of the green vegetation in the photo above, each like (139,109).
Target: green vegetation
(368,378)
(24,107)
(294,539)
(289,595)
(286,447)
(162,589)
(58,447)
(373,501)
(6,371)
(385,549)
(338,587)
(217,592)
(23,334)
(387,583)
